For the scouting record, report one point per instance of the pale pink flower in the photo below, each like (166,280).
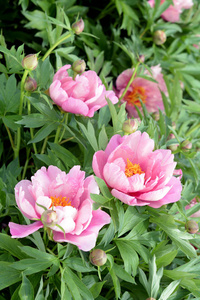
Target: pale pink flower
(68,195)
(172,13)
(82,95)
(142,89)
(193,203)
(135,173)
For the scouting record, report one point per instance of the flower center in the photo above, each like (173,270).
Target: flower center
(60,201)
(133,97)
(132,169)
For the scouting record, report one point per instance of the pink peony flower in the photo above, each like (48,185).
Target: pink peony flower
(135,173)
(192,203)
(68,195)
(83,95)
(140,88)
(172,13)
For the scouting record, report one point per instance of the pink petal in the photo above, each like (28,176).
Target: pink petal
(57,94)
(44,201)
(128,199)
(20,231)
(115,178)
(62,73)
(98,163)
(75,106)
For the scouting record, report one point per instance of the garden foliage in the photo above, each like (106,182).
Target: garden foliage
(99,150)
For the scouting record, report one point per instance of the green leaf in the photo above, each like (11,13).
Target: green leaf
(103,139)
(26,291)
(34,120)
(122,274)
(96,289)
(89,133)
(103,188)
(169,290)
(43,132)
(11,245)
(8,275)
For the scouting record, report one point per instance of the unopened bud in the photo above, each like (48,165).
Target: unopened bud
(49,218)
(191,226)
(150,298)
(186,145)
(98,257)
(130,126)
(173,147)
(78,26)
(141,58)
(30,62)
(159,37)
(156,115)
(79,66)
(30,84)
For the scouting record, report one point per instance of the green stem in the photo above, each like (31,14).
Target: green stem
(57,134)
(16,152)
(180,222)
(65,121)
(31,129)
(26,163)
(191,130)
(130,81)
(56,44)
(10,137)
(44,145)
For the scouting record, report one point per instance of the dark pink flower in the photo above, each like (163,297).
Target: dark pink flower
(68,196)
(135,173)
(142,89)
(82,95)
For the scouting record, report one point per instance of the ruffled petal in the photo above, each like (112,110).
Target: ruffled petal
(20,231)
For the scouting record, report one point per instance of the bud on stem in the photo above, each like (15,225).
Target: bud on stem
(78,26)
(98,257)
(30,62)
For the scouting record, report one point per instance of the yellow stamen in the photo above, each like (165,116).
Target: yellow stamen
(133,97)
(132,169)
(60,201)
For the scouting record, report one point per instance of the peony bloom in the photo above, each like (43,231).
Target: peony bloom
(83,95)
(68,195)
(135,173)
(172,13)
(140,88)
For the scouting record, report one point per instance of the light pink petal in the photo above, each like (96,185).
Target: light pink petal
(115,178)
(25,199)
(75,106)
(43,201)
(154,195)
(171,14)
(84,217)
(87,239)
(93,79)
(20,231)
(128,199)
(81,89)
(66,218)
(57,94)
(92,110)
(123,78)
(115,141)
(98,163)
(62,73)
(172,196)
(90,186)
(136,183)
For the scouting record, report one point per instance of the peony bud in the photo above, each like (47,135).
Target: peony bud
(79,66)
(150,298)
(191,226)
(49,218)
(130,126)
(141,58)
(159,37)
(98,257)
(78,26)
(173,147)
(30,84)
(156,116)
(30,62)
(186,145)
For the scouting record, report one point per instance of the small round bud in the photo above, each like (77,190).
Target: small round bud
(141,58)
(49,218)
(130,126)
(78,26)
(30,84)
(173,147)
(30,62)
(159,37)
(150,298)
(191,226)
(98,257)
(186,145)
(156,116)
(79,66)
